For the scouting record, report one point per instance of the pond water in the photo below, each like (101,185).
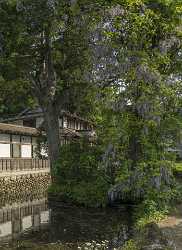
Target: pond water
(42,222)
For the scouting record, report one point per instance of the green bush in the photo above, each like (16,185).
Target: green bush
(130,245)
(177,167)
(149,211)
(79,175)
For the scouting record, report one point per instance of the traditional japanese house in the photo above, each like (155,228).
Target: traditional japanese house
(17,141)
(71,125)
(21,146)
(18,146)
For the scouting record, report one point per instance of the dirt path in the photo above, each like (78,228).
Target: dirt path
(172,227)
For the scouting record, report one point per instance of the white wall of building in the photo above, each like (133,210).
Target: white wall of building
(26,151)
(5,150)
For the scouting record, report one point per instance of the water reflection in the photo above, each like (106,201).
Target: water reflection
(73,224)
(86,228)
(18,218)
(40,222)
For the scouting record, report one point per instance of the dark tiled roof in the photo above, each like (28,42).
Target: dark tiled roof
(28,113)
(15,129)
(22,130)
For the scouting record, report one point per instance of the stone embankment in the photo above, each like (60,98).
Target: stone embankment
(26,184)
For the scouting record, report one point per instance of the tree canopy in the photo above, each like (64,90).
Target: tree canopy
(116,62)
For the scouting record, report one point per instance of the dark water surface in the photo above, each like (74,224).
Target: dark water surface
(42,222)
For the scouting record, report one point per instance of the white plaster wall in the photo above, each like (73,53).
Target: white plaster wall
(5,150)
(26,151)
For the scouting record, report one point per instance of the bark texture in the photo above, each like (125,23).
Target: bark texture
(52,131)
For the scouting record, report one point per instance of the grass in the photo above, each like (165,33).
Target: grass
(178,167)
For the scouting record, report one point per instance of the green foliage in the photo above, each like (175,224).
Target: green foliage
(177,194)
(136,110)
(9,101)
(130,245)
(13,87)
(79,176)
(149,211)
(177,167)
(144,107)
(22,52)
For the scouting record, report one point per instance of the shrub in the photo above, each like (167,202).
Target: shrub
(80,177)
(130,245)
(149,211)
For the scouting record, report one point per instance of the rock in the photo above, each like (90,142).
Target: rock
(154,239)
(120,239)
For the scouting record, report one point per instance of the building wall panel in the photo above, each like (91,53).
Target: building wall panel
(26,151)
(5,150)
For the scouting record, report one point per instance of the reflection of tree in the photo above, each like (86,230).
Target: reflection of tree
(121,237)
(80,225)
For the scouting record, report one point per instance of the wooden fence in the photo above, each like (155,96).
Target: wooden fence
(20,164)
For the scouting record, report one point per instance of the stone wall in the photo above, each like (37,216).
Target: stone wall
(24,185)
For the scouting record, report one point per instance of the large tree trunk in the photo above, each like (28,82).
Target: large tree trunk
(52,131)
(44,86)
